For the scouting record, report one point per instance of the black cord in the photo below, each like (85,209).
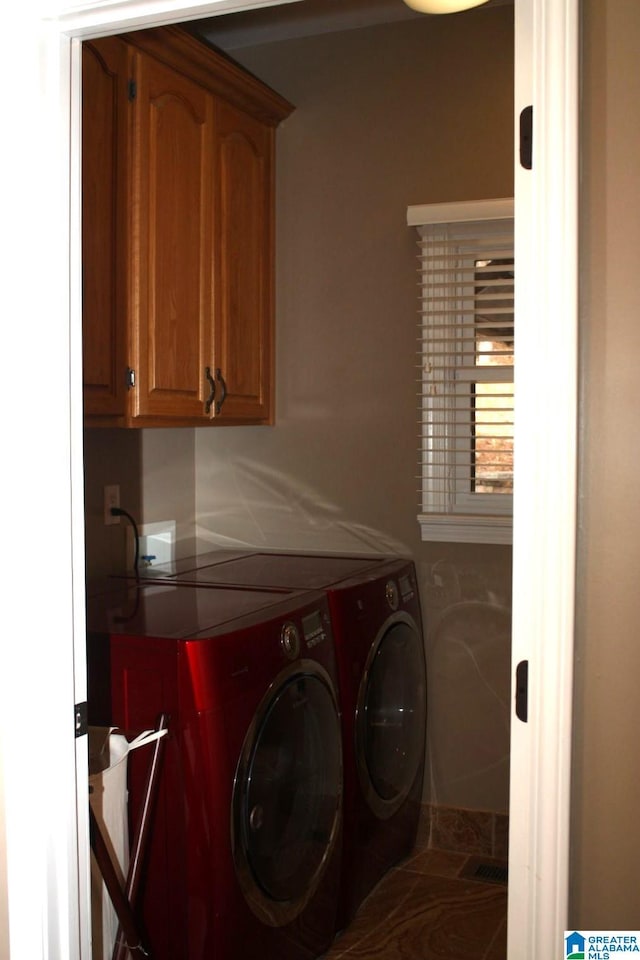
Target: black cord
(119,512)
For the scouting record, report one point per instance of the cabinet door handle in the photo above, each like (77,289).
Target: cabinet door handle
(223,394)
(212,384)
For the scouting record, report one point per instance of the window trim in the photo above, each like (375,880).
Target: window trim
(461,517)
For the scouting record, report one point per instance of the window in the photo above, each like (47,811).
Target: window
(466,369)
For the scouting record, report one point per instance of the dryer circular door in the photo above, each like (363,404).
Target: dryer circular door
(286,806)
(391,716)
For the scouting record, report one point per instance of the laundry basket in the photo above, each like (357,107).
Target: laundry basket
(108,798)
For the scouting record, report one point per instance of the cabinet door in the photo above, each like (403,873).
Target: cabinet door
(172,220)
(243,289)
(104,117)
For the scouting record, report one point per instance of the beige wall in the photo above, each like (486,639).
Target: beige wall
(605,884)
(386,117)
(156,473)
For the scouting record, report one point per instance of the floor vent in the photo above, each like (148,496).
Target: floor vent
(485,871)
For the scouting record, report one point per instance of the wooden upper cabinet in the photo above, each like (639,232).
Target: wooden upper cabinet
(171,206)
(104,112)
(181,265)
(243,261)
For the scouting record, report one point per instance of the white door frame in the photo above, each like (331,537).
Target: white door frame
(42,672)
(547,75)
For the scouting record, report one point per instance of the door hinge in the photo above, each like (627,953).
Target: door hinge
(130,378)
(132,89)
(522,691)
(526,138)
(80,719)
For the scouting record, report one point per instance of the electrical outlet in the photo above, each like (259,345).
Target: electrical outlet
(111,499)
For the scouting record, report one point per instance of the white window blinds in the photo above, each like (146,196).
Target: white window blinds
(466,352)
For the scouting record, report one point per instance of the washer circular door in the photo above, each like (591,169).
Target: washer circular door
(391,716)
(286,805)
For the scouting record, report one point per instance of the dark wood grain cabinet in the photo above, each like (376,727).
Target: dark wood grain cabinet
(104,239)
(178,233)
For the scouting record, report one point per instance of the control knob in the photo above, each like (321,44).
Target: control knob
(290,640)
(391,595)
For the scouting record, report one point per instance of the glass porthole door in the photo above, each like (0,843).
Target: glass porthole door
(287,794)
(391,718)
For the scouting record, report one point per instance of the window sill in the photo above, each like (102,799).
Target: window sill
(465,528)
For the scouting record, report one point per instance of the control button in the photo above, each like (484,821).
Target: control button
(391,595)
(290,640)
(407,588)
(256,818)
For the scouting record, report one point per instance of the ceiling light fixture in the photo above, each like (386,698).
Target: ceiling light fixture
(442,6)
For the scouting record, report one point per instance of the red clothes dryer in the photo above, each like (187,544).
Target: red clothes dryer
(377,627)
(244,854)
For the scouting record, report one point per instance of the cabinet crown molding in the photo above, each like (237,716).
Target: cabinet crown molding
(214,70)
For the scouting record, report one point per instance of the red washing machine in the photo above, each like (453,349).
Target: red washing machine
(377,627)
(244,853)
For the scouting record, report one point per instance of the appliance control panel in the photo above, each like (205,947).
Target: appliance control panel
(313,629)
(402,592)
(407,588)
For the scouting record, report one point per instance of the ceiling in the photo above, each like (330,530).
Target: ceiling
(304,18)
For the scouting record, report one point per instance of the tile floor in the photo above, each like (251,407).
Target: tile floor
(424,910)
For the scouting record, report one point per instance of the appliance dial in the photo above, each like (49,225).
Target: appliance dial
(391,595)
(290,640)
